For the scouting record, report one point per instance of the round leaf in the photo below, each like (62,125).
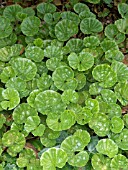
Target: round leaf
(52,158)
(11,11)
(30,25)
(79,7)
(105,75)
(44,8)
(119,162)
(22,112)
(11,99)
(107,147)
(24,68)
(34,53)
(49,101)
(5,27)
(91,41)
(108,96)
(82,62)
(65,29)
(117,124)
(90,26)
(111,55)
(93,105)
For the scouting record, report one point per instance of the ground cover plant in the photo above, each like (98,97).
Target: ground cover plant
(64,86)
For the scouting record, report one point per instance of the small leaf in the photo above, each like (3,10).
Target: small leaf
(39,131)
(90,26)
(70,16)
(93,105)
(122,25)
(107,147)
(108,45)
(108,96)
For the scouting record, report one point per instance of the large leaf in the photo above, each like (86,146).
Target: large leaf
(11,11)
(107,147)
(5,27)
(49,101)
(90,26)
(30,25)
(65,29)
(11,99)
(82,62)
(52,158)
(44,8)
(24,68)
(105,75)
(63,78)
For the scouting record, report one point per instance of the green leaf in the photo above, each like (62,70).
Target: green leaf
(52,158)
(92,144)
(84,116)
(82,62)
(121,70)
(91,41)
(65,29)
(111,55)
(5,27)
(86,14)
(123,10)
(39,130)
(117,124)
(79,7)
(90,26)
(34,53)
(81,79)
(119,162)
(53,52)
(44,82)
(105,75)
(49,101)
(24,68)
(14,140)
(5,54)
(122,140)
(108,45)
(61,122)
(122,25)
(108,96)
(31,123)
(44,8)
(22,112)
(16,83)
(113,33)
(53,63)
(8,41)
(69,96)
(70,16)
(95,89)
(107,147)
(93,1)
(125,119)
(11,11)
(63,78)
(2,120)
(114,110)
(11,99)
(93,105)
(75,45)
(99,161)
(30,26)
(100,124)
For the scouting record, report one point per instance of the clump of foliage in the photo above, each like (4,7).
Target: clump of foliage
(62,88)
